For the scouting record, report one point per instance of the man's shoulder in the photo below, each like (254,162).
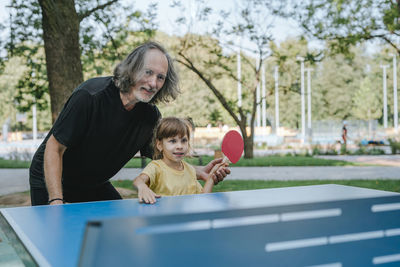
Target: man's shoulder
(95,85)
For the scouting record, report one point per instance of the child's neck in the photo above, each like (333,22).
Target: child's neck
(173,164)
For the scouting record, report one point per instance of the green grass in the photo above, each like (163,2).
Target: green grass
(258,161)
(235,185)
(14,164)
(263,161)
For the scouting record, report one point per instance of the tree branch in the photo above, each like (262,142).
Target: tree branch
(87,13)
(209,84)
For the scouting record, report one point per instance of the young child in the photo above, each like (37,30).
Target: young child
(168,174)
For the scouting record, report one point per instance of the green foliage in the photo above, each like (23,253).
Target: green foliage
(258,161)
(100,53)
(366,102)
(394,146)
(249,21)
(267,161)
(215,117)
(346,23)
(233,185)
(105,37)
(14,164)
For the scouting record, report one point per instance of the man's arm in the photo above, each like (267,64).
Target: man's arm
(219,175)
(53,158)
(209,184)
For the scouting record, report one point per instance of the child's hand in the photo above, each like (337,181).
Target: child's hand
(147,195)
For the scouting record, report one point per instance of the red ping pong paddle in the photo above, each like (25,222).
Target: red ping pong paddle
(232,146)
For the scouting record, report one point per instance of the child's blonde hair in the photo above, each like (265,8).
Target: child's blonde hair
(169,127)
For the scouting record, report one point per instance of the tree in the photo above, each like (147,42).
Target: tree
(347,22)
(284,57)
(253,25)
(58,27)
(337,81)
(367,105)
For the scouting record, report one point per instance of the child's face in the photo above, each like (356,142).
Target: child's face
(174,148)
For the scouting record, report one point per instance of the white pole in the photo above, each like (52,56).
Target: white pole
(34,122)
(303,117)
(309,101)
(395,115)
(239,77)
(258,99)
(385,118)
(263,100)
(276,100)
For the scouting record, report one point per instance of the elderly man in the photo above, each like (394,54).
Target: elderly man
(104,123)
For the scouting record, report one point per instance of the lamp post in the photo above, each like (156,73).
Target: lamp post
(385,119)
(258,98)
(276,76)
(309,130)
(263,99)
(395,116)
(303,117)
(239,78)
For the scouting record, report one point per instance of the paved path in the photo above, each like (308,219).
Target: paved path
(16,180)
(384,160)
(13,181)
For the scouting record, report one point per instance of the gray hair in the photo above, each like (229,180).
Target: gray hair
(127,73)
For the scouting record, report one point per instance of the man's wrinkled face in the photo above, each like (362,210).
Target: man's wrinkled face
(152,77)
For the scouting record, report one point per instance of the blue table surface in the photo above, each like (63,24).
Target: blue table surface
(53,234)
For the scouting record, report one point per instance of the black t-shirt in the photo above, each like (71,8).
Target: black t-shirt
(101,136)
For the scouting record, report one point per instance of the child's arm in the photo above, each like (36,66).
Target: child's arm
(208,186)
(145,194)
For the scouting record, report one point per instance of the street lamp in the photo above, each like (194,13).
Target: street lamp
(263,99)
(309,102)
(239,78)
(395,116)
(384,67)
(276,76)
(303,119)
(258,98)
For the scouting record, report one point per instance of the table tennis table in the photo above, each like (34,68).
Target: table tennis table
(321,225)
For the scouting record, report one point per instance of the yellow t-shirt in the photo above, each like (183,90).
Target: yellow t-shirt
(167,181)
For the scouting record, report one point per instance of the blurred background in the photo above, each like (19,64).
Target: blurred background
(316,77)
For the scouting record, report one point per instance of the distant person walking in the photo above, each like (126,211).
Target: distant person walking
(343,149)
(344,134)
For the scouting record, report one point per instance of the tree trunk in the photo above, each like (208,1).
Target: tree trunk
(60,25)
(248,147)
(247,140)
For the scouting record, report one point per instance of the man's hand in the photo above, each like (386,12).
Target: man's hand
(218,176)
(57,202)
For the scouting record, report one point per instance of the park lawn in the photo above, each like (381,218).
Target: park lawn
(235,185)
(266,161)
(14,164)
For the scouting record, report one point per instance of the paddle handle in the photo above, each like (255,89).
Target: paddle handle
(226,160)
